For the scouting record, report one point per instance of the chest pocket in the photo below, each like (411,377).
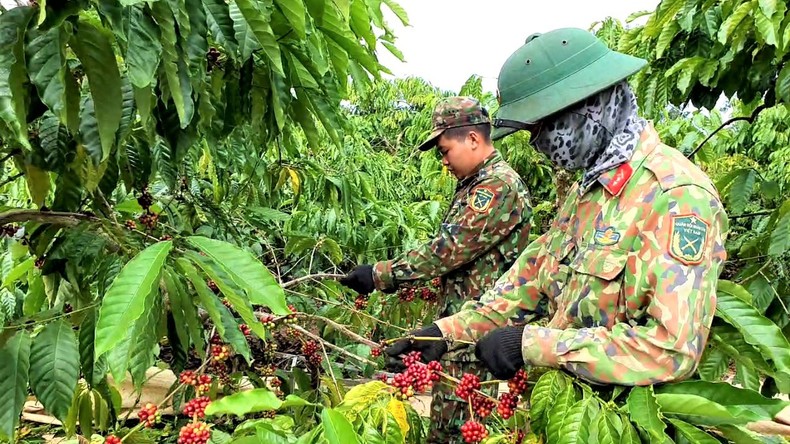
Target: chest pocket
(593,291)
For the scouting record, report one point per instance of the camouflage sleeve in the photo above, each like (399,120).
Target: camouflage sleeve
(493,210)
(516,296)
(681,255)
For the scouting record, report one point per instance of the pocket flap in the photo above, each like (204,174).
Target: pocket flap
(605,263)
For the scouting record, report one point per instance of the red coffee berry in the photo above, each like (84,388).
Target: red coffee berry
(149,415)
(507,405)
(112,439)
(382,377)
(482,406)
(196,407)
(518,383)
(187,377)
(245,329)
(411,358)
(203,384)
(361,302)
(220,352)
(467,386)
(435,367)
(473,432)
(376,352)
(194,433)
(213,286)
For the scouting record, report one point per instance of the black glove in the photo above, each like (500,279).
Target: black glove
(500,351)
(431,350)
(360,279)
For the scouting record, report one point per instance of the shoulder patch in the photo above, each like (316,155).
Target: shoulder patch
(481,199)
(688,235)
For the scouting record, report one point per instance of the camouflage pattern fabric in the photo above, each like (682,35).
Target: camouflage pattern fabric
(484,230)
(626,275)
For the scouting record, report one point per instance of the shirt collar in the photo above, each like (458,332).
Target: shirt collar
(615,179)
(482,168)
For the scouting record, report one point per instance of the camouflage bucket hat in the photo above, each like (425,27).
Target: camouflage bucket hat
(552,71)
(454,112)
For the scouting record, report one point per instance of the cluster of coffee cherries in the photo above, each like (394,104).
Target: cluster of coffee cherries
(112,439)
(312,353)
(428,293)
(202,383)
(196,432)
(417,378)
(467,389)
(361,302)
(149,414)
(196,407)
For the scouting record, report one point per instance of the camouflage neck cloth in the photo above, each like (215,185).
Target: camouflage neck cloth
(596,135)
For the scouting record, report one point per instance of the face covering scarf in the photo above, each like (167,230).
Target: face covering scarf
(596,135)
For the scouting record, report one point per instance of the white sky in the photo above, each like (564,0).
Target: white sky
(449,40)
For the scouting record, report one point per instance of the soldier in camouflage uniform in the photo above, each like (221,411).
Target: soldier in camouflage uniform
(626,275)
(483,232)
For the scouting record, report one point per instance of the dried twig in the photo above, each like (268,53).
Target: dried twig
(310,277)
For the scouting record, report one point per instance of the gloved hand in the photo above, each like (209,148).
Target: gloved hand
(360,279)
(431,350)
(500,351)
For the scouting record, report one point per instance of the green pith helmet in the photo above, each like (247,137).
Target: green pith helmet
(552,71)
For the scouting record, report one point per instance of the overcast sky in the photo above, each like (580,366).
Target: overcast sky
(449,40)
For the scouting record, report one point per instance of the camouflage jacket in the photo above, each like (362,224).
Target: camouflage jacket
(484,230)
(626,276)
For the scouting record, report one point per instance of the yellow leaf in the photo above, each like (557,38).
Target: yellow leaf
(399,412)
(294,180)
(37,184)
(363,395)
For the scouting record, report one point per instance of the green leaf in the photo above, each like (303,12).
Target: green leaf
(398,10)
(757,330)
(692,434)
(698,410)
(98,60)
(713,364)
(245,402)
(178,303)
(219,314)
(246,271)
(665,38)
(607,432)
(360,22)
(12,71)
(86,413)
(258,22)
(548,386)
(93,369)
(145,339)
(294,11)
(35,297)
(46,62)
(173,63)
(220,24)
(732,22)
(765,27)
(337,429)
(122,304)
(17,272)
(575,425)
(559,412)
(780,236)
(644,411)
(15,356)
(244,35)
(741,403)
(142,54)
(741,190)
(54,359)
(89,131)
(768,7)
